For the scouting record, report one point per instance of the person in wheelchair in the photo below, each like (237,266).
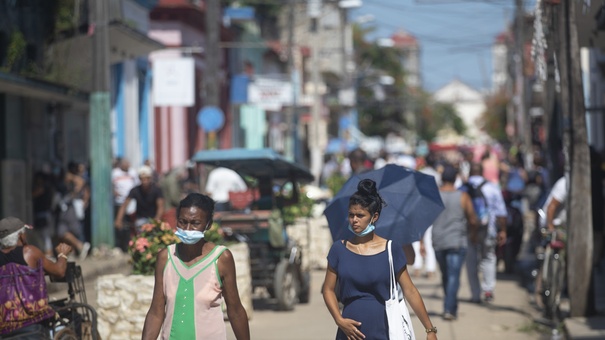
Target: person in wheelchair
(24,304)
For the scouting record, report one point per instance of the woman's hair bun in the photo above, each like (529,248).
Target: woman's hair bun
(367,187)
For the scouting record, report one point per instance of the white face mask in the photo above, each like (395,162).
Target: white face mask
(190,236)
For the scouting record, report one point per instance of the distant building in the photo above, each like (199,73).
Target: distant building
(469,104)
(500,61)
(409,51)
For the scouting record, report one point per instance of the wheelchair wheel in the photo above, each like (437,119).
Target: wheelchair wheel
(66,334)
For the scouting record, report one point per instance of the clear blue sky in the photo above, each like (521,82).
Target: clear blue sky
(455,35)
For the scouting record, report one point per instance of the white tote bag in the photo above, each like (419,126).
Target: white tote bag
(398,316)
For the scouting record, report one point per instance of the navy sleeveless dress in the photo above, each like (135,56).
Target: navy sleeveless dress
(363,283)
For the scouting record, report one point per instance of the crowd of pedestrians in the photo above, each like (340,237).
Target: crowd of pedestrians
(61,203)
(465,235)
(142,195)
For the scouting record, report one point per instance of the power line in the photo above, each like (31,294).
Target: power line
(405,8)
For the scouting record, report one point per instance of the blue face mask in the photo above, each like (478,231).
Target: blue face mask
(190,236)
(370,228)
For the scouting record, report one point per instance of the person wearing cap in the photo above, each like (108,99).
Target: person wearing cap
(149,199)
(14,250)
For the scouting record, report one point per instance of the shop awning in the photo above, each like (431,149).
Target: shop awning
(41,90)
(73,56)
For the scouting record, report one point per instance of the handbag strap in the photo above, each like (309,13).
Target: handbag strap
(393,282)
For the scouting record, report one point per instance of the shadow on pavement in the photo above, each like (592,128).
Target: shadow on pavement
(265,304)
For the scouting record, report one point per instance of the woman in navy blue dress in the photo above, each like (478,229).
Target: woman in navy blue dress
(361,266)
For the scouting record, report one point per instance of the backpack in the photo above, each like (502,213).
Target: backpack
(479,202)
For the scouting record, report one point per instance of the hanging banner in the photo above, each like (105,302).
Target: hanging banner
(174,82)
(270,94)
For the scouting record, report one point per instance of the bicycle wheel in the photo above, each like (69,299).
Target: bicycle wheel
(552,291)
(545,280)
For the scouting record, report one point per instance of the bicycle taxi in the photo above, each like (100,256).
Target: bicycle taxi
(256,218)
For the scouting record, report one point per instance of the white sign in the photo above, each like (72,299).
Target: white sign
(314,8)
(174,82)
(270,94)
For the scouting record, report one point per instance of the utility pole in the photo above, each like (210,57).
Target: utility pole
(291,147)
(549,97)
(522,128)
(100,130)
(212,53)
(579,204)
(314,128)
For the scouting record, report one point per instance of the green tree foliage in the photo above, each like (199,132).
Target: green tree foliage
(493,118)
(389,115)
(15,51)
(378,117)
(435,116)
(64,17)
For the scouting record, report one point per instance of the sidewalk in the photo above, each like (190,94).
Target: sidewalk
(98,263)
(508,316)
(581,328)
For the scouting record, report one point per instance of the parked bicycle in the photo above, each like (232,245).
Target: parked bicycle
(552,271)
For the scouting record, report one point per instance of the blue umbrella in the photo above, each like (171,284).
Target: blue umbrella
(412,204)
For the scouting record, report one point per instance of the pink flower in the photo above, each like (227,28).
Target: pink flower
(130,243)
(148,257)
(147,227)
(141,244)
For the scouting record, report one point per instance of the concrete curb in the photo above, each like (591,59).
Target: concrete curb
(96,265)
(585,328)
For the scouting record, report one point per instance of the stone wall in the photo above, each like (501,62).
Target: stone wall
(314,236)
(123,300)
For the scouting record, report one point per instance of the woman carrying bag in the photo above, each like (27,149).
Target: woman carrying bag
(362,266)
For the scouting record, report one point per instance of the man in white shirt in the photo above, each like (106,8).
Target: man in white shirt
(554,207)
(220,182)
(123,179)
(425,254)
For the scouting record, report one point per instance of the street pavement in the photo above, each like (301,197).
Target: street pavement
(509,316)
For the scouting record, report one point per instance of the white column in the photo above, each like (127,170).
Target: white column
(131,113)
